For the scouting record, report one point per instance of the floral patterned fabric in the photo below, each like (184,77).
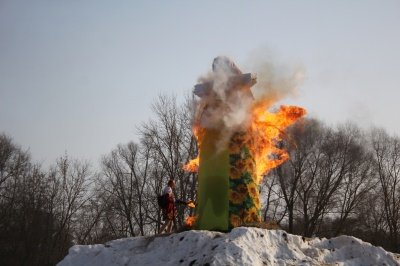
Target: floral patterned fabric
(244,198)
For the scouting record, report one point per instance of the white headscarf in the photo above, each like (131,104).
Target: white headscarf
(168,190)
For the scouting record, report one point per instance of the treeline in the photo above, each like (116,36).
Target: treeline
(338,181)
(43,212)
(341,180)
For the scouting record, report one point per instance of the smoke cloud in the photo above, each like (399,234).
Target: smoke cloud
(227,101)
(275,80)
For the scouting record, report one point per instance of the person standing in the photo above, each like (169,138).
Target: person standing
(169,211)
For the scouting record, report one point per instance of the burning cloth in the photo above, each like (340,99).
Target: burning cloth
(237,139)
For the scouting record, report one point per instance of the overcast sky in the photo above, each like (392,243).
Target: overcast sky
(78,76)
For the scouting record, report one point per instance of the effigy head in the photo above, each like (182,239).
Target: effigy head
(224,65)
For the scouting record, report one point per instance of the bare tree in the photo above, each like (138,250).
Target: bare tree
(358,180)
(38,210)
(91,223)
(172,144)
(127,170)
(13,162)
(387,156)
(327,174)
(301,140)
(69,182)
(274,206)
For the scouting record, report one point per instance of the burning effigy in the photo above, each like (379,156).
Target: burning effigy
(237,139)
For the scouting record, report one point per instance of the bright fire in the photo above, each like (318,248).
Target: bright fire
(267,129)
(193,165)
(190,221)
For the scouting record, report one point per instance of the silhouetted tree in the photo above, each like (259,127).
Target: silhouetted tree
(387,162)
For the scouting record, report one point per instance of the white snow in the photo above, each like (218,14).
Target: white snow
(242,246)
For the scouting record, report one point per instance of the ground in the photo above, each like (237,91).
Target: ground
(241,246)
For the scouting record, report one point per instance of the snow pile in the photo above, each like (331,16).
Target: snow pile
(242,246)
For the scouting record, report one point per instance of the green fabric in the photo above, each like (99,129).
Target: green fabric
(213,187)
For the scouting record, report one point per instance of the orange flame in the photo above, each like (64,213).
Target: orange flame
(268,129)
(190,221)
(192,166)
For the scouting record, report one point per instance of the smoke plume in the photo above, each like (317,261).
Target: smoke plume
(228,103)
(275,80)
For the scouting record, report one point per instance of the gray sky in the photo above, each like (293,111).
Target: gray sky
(78,76)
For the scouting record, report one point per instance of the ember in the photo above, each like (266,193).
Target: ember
(190,221)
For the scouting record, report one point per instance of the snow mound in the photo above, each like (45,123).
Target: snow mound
(242,246)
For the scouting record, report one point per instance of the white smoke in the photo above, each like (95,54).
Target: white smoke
(227,108)
(275,80)
(223,101)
